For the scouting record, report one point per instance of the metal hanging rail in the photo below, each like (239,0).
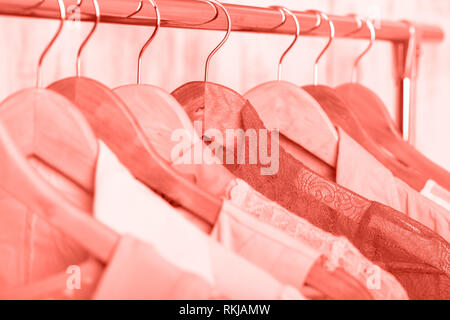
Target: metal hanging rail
(195,14)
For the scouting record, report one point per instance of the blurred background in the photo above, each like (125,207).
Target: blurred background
(177,56)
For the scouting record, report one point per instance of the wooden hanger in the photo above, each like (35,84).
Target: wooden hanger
(341,115)
(374,116)
(298,116)
(41,124)
(153,107)
(378,112)
(206,101)
(114,123)
(160,114)
(45,126)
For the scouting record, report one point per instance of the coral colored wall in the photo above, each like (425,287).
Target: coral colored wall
(177,56)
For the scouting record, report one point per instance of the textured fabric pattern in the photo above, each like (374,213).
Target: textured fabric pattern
(384,235)
(360,172)
(339,251)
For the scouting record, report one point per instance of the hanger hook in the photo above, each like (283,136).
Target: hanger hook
(138,9)
(283,17)
(88,37)
(359,25)
(227,35)
(371,27)
(216,14)
(408,71)
(152,37)
(62,11)
(317,25)
(297,35)
(331,38)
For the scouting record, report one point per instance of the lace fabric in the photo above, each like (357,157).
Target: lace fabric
(338,250)
(416,256)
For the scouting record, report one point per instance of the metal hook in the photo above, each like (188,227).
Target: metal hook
(152,37)
(408,71)
(62,10)
(139,8)
(208,60)
(216,14)
(332,35)
(80,50)
(297,34)
(359,25)
(372,41)
(317,25)
(283,18)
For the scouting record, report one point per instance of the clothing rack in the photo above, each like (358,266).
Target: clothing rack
(405,37)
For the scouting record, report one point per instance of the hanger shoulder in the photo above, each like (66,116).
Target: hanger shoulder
(158,113)
(214,109)
(114,123)
(217,106)
(161,117)
(342,116)
(284,106)
(370,110)
(338,112)
(374,115)
(47,125)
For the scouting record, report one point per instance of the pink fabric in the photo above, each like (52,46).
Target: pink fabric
(127,206)
(138,272)
(360,172)
(436,193)
(417,256)
(339,251)
(283,257)
(34,252)
(30,248)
